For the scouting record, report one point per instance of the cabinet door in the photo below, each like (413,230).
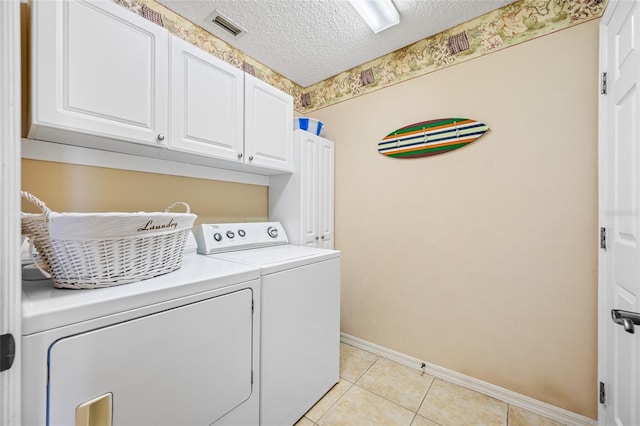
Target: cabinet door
(206,103)
(98,69)
(268,137)
(325,184)
(308,169)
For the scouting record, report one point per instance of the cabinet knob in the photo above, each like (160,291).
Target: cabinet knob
(322,236)
(251,158)
(239,155)
(316,238)
(160,137)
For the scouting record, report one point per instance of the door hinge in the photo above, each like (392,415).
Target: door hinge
(603,83)
(7,351)
(603,393)
(603,238)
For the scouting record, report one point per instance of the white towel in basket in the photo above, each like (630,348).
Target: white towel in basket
(80,226)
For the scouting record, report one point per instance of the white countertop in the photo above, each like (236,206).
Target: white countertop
(45,307)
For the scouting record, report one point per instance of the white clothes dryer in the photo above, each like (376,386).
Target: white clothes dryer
(300,313)
(178,349)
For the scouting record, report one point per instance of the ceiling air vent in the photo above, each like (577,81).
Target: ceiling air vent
(226,24)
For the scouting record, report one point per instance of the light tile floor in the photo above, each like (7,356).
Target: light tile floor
(376,391)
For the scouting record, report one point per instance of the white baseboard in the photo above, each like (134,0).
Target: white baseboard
(538,407)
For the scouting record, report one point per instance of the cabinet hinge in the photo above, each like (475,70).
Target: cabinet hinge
(603,83)
(251,305)
(251,376)
(7,351)
(603,393)
(603,238)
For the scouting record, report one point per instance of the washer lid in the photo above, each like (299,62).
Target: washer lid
(279,258)
(45,307)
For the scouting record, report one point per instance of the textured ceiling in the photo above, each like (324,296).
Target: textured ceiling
(309,41)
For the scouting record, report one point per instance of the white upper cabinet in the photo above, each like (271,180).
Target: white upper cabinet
(97,69)
(304,201)
(306,153)
(325,182)
(268,115)
(206,103)
(106,78)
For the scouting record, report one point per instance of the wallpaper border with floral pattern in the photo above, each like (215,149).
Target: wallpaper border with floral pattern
(510,25)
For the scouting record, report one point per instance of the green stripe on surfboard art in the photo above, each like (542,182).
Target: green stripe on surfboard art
(431,137)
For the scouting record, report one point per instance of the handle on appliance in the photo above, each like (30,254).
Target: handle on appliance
(97,412)
(626,319)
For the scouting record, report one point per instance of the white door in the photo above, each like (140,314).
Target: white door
(268,126)
(308,169)
(325,193)
(10,286)
(98,69)
(206,107)
(619,162)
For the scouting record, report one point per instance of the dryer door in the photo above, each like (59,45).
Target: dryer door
(185,366)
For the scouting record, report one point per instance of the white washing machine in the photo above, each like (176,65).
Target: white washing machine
(300,313)
(178,349)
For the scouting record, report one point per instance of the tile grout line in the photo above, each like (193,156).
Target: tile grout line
(368,368)
(385,398)
(336,401)
(378,357)
(425,398)
(355,383)
(415,413)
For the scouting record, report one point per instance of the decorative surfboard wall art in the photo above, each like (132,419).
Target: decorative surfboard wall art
(431,137)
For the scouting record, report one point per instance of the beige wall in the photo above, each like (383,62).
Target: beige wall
(482,260)
(67,187)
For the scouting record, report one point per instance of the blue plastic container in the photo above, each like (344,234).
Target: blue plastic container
(309,124)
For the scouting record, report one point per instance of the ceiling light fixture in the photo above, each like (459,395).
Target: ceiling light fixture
(379,14)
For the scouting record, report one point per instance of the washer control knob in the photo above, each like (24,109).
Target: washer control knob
(230,234)
(272,231)
(241,232)
(217,237)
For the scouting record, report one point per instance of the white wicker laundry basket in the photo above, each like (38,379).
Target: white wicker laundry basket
(94,250)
